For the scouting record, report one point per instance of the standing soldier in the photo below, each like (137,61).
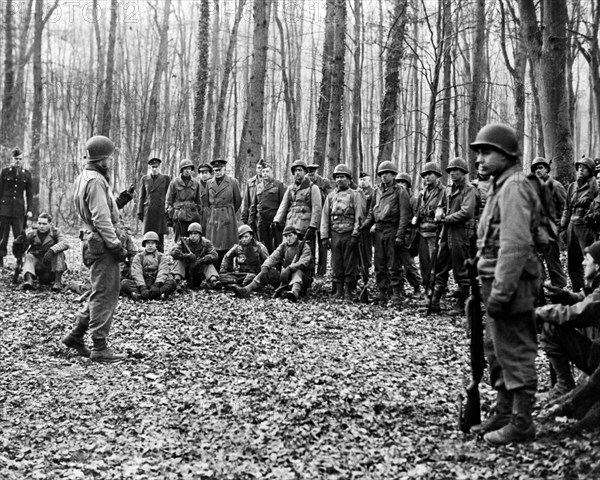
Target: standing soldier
(340,223)
(390,212)
(366,237)
(151,204)
(252,185)
(482,184)
(325,187)
(183,199)
(205,172)
(269,194)
(102,252)
(510,274)
(15,182)
(580,195)
(224,199)
(551,255)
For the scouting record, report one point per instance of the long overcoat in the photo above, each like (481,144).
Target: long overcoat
(153,195)
(224,200)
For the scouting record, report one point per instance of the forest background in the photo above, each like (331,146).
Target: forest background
(328,81)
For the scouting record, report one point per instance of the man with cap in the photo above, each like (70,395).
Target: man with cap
(289,268)
(551,253)
(574,224)
(102,251)
(301,205)
(242,263)
(366,237)
(183,199)
(390,213)
(250,195)
(431,202)
(510,272)
(269,194)
(571,326)
(151,202)
(224,200)
(325,187)
(205,174)
(16,200)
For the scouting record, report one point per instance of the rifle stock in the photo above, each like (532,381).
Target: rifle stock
(433,273)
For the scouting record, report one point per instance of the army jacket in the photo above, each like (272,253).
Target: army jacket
(301,207)
(428,200)
(267,200)
(14,182)
(150,268)
(245,259)
(183,200)
(203,249)
(390,209)
(54,240)
(249,196)
(460,205)
(342,213)
(285,256)
(580,196)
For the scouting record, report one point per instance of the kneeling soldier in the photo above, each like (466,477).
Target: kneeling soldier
(44,257)
(194,259)
(290,266)
(242,263)
(150,272)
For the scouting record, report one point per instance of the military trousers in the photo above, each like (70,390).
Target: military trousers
(555,270)
(130,286)
(268,235)
(36,267)
(426,248)
(453,251)
(387,262)
(344,258)
(6,223)
(194,276)
(559,341)
(236,278)
(409,267)
(578,237)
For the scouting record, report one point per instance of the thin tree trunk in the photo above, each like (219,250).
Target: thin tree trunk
(201,78)
(7,125)
(38,103)
(478,66)
(446,80)
(110,71)
(356,147)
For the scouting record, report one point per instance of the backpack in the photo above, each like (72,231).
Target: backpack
(547,230)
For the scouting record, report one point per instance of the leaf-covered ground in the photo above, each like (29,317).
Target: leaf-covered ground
(218,387)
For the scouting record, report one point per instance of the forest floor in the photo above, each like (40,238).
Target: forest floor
(218,387)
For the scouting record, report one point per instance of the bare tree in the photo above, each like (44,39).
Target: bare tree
(8,98)
(106,109)
(201,77)
(356,157)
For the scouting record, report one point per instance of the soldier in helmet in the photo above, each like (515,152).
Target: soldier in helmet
(510,276)
(390,213)
(242,263)
(151,203)
(340,224)
(195,257)
(325,187)
(184,203)
(150,272)
(102,251)
(580,196)
(407,259)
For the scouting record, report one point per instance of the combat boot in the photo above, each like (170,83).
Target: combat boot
(244,292)
(564,379)
(500,414)
(101,353)
(350,294)
(382,297)
(397,295)
(294,293)
(28,282)
(436,297)
(339,292)
(520,428)
(214,283)
(459,306)
(57,286)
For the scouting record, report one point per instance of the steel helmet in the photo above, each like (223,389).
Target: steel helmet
(150,236)
(431,167)
(98,148)
(299,163)
(387,166)
(457,163)
(586,162)
(404,177)
(540,161)
(342,169)
(498,136)
(186,163)
(244,229)
(195,227)
(289,229)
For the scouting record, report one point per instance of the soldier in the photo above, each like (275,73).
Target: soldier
(455,242)
(44,254)
(551,255)
(150,272)
(269,194)
(597,172)
(482,184)
(102,252)
(325,187)
(242,263)
(390,212)
(151,204)
(340,224)
(574,225)
(15,182)
(205,174)
(252,185)
(510,274)
(195,258)
(290,266)
(183,199)
(224,199)
(366,237)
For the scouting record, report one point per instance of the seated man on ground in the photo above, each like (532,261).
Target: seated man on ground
(571,327)
(289,268)
(195,257)
(242,262)
(150,272)
(44,250)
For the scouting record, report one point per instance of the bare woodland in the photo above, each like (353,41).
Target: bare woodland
(327,81)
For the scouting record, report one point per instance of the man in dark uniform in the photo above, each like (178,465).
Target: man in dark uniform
(183,199)
(269,194)
(151,204)
(205,174)
(325,187)
(252,186)
(15,182)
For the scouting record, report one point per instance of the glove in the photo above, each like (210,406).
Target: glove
(495,308)
(48,256)
(310,234)
(144,293)
(155,291)
(326,243)
(399,242)
(120,254)
(561,295)
(190,257)
(286,275)
(207,259)
(353,242)
(140,217)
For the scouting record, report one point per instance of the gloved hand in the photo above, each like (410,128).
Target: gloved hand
(155,291)
(190,257)
(399,242)
(495,308)
(310,234)
(561,295)
(353,242)
(120,253)
(140,217)
(144,293)
(286,275)
(326,243)
(207,259)
(48,256)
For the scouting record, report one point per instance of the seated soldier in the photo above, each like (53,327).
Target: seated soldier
(195,257)
(44,257)
(150,272)
(242,262)
(290,267)
(571,327)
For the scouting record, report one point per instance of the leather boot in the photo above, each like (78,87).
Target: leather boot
(28,282)
(244,292)
(101,353)
(339,292)
(214,283)
(435,302)
(294,293)
(564,379)
(459,306)
(57,286)
(75,339)
(350,294)
(520,428)
(397,295)
(499,416)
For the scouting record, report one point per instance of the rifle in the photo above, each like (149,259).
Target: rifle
(19,249)
(470,414)
(434,266)
(364,293)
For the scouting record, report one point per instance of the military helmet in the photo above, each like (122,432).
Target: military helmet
(186,163)
(431,167)
(98,148)
(457,163)
(586,162)
(195,227)
(150,236)
(289,229)
(498,136)
(342,169)
(299,163)
(387,166)
(244,229)
(404,177)
(539,161)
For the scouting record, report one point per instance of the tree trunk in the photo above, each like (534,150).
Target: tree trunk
(201,78)
(6,128)
(38,102)
(356,158)
(110,71)
(446,81)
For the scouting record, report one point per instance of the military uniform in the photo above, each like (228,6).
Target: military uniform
(15,184)
(151,206)
(196,262)
(183,204)
(241,263)
(150,276)
(301,207)
(428,200)
(224,199)
(366,237)
(267,200)
(249,196)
